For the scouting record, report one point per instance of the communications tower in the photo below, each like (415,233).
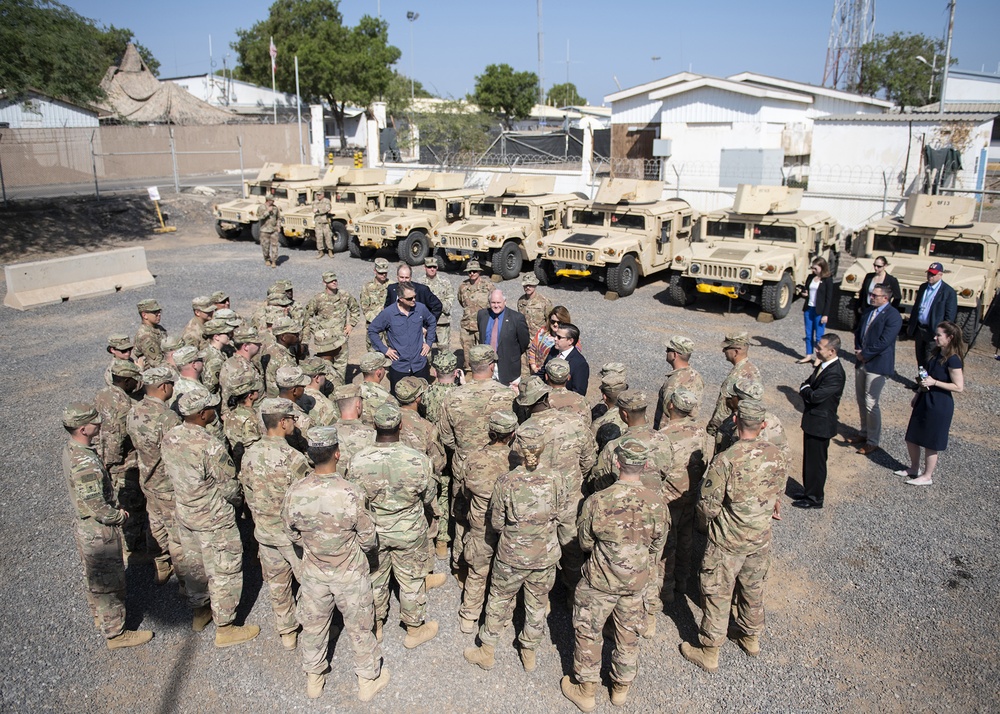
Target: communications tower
(852,26)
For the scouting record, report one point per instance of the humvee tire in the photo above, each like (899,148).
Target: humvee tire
(507,261)
(967,319)
(356,250)
(846,319)
(414,248)
(682,290)
(624,277)
(227,233)
(340,236)
(255,231)
(776,298)
(545,272)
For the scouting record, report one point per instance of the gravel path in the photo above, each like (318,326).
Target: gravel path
(883,601)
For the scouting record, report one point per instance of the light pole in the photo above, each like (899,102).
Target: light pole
(933,65)
(412,17)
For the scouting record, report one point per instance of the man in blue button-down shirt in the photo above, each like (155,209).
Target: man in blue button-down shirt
(410,330)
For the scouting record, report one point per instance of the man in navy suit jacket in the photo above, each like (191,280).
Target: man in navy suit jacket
(936,302)
(404,274)
(511,336)
(567,335)
(875,352)
(821,394)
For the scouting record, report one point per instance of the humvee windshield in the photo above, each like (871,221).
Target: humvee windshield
(516,211)
(957,249)
(396,201)
(889,243)
(784,234)
(726,229)
(484,209)
(257,190)
(628,221)
(424,204)
(346,198)
(584,217)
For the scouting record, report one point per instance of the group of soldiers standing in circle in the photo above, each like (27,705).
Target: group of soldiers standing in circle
(350,486)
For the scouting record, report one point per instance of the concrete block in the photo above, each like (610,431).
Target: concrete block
(46,282)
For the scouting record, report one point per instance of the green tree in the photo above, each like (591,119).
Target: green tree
(502,91)
(336,63)
(890,68)
(452,129)
(565,95)
(397,94)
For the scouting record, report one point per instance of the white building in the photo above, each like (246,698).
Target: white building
(39,111)
(969,87)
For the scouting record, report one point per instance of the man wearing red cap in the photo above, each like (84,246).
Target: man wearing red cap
(936,302)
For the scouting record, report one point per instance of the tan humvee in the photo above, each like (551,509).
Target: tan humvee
(358,192)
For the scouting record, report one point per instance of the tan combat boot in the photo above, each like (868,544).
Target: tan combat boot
(129,638)
(163,572)
(441,550)
(229,635)
(314,685)
(416,636)
(619,693)
(705,657)
(289,640)
(468,627)
(320,255)
(368,688)
(435,580)
(202,616)
(527,659)
(583,695)
(650,631)
(481,656)
(749,644)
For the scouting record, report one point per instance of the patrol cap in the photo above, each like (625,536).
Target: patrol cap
(120,341)
(531,390)
(445,362)
(408,389)
(935,268)
(557,369)
(272,314)
(215,326)
(203,303)
(481,355)
(681,345)
(148,305)
(531,437)
(124,368)
(220,296)
(328,341)
(269,199)
(684,400)
(633,400)
(278,299)
(748,389)
(373,360)
(291,376)
(196,400)
(278,406)
(736,339)
(347,391)
(77,414)
(313,366)
(387,416)
(381,265)
(155,376)
(172,343)
(751,410)
(186,355)
(329,277)
(285,325)
(430,262)
(473,267)
(321,437)
(284,284)
(246,333)
(503,422)
(613,382)
(224,313)
(529,279)
(613,368)
(632,452)
(246,383)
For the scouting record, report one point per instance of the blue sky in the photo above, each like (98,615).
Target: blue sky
(453,40)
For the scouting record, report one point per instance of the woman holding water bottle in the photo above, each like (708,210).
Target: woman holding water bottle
(933,405)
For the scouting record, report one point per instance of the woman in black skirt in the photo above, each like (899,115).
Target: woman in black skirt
(933,405)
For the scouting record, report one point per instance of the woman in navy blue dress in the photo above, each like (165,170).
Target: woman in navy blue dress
(933,405)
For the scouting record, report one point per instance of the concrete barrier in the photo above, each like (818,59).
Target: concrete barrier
(46,282)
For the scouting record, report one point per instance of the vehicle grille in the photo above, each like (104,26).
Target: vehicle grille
(295,221)
(459,242)
(371,230)
(570,255)
(909,295)
(719,272)
(228,214)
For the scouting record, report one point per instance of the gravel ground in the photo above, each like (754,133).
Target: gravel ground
(883,601)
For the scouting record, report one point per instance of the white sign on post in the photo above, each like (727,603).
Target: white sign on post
(154,193)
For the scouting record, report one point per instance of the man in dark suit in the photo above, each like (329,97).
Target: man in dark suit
(875,352)
(506,331)
(567,335)
(425,297)
(936,302)
(821,394)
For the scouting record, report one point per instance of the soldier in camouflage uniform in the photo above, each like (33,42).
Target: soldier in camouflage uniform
(194,332)
(270,467)
(326,516)
(283,353)
(331,347)
(473,296)
(95,531)
(735,348)
(736,503)
(419,434)
(276,303)
(373,294)
(240,367)
(190,365)
(353,435)
(324,237)
(532,515)
(171,343)
(623,528)
(556,376)
(683,376)
(120,346)
(221,300)
(241,424)
(485,466)
(292,382)
(606,412)
(464,429)
(373,394)
(533,305)
(148,421)
(270,220)
(431,404)
(148,342)
(219,334)
(444,292)
(321,411)
(689,443)
(206,489)
(398,483)
(336,312)
(772,430)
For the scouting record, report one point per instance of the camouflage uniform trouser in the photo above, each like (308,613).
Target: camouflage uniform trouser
(269,245)
(130,497)
(279,565)
(504,586)
(468,339)
(459,516)
(214,570)
(444,332)
(591,609)
(444,508)
(324,237)
(100,549)
(409,565)
(479,555)
(676,564)
(350,592)
(163,527)
(723,572)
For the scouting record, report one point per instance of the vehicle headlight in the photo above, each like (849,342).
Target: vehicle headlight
(382,231)
(444,241)
(399,226)
(475,243)
(589,255)
(695,268)
(850,278)
(744,274)
(551,252)
(679,259)
(967,293)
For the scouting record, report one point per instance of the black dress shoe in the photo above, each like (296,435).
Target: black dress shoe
(806,503)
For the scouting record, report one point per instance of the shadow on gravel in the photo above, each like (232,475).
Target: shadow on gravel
(253,579)
(170,701)
(775,346)
(792,396)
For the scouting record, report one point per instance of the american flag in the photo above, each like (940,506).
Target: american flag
(274,56)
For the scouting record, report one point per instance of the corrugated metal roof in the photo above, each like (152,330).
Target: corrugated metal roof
(981,117)
(966,107)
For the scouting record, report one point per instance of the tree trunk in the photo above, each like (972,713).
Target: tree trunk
(337,110)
